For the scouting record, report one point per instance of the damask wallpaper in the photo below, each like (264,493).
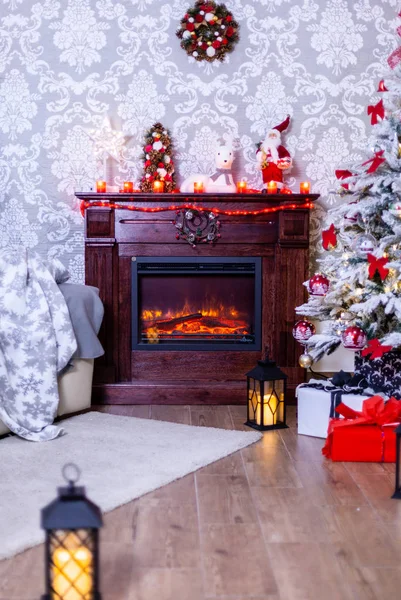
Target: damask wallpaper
(65,66)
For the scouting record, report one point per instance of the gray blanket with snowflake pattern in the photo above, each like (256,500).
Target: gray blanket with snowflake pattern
(36,342)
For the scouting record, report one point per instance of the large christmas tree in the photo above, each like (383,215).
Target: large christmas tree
(358,289)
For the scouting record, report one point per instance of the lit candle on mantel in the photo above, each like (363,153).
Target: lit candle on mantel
(128,187)
(272,187)
(241,186)
(304,187)
(101,187)
(158,186)
(198,187)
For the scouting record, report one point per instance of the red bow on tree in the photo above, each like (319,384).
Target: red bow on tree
(343,174)
(376,112)
(375,162)
(375,349)
(329,238)
(377,264)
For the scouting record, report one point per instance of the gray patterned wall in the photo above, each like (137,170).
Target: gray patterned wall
(66,65)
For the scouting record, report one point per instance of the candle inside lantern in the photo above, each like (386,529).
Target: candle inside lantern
(198,187)
(272,187)
(241,186)
(158,186)
(101,187)
(304,187)
(73,565)
(128,187)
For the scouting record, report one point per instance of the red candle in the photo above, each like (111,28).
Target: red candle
(304,187)
(241,187)
(101,187)
(272,187)
(128,187)
(198,187)
(158,186)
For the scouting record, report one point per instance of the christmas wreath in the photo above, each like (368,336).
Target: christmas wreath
(208,31)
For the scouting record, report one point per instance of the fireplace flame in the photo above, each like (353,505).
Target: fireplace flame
(212,318)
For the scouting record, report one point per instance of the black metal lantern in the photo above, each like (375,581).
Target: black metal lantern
(72,525)
(397,491)
(266,396)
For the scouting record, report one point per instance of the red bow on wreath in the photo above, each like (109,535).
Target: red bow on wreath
(375,349)
(329,238)
(375,162)
(377,264)
(376,112)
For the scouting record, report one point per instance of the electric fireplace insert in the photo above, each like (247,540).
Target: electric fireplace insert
(191,303)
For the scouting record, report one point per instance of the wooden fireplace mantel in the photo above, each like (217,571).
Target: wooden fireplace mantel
(117,229)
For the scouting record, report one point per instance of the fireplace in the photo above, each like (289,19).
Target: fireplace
(196,303)
(184,323)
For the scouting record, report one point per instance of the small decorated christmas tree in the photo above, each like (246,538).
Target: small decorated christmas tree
(358,291)
(157,156)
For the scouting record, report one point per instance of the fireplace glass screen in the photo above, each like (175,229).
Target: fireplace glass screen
(208,304)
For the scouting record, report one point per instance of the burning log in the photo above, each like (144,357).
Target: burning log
(173,323)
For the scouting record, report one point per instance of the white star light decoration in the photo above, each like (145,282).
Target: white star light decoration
(107,142)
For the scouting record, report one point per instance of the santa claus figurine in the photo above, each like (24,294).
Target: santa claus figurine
(272,157)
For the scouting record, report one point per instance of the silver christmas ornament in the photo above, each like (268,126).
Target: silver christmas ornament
(364,244)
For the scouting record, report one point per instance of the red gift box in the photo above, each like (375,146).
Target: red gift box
(367,436)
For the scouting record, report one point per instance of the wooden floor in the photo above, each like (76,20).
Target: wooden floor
(275,521)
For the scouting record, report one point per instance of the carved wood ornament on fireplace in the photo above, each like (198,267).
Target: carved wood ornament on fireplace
(184,323)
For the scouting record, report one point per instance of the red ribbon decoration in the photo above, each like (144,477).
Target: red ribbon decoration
(376,112)
(377,264)
(375,162)
(395,57)
(375,349)
(343,174)
(329,238)
(374,412)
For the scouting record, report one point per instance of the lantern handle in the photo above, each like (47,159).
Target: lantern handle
(71,473)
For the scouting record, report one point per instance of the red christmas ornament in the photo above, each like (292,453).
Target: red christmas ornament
(190,26)
(285,190)
(303,330)
(229,18)
(375,349)
(148,148)
(382,87)
(225,41)
(353,338)
(199,18)
(318,285)
(216,44)
(329,238)
(230,31)
(376,112)
(377,265)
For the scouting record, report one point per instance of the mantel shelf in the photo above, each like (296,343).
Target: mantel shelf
(120,198)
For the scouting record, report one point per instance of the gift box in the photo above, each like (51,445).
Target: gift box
(316,406)
(365,436)
(383,374)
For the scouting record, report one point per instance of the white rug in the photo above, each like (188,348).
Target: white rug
(121,458)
